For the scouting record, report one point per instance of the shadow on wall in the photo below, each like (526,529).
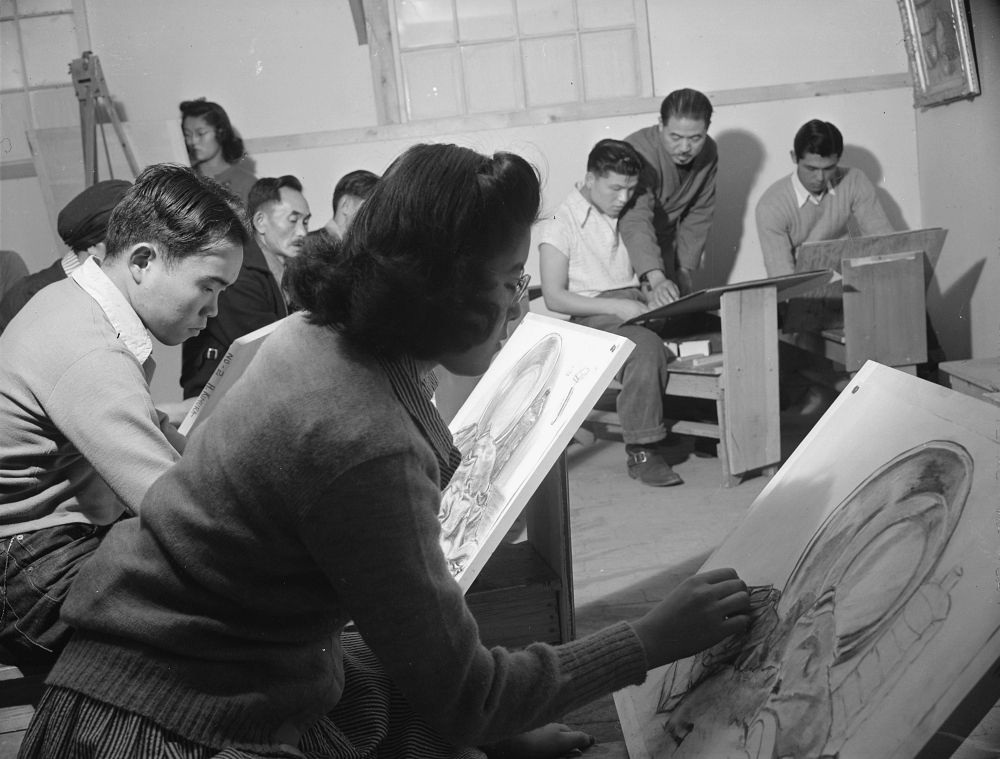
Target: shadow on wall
(864,160)
(951,314)
(741,157)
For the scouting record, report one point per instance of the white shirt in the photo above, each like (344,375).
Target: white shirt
(802,195)
(120,313)
(598,259)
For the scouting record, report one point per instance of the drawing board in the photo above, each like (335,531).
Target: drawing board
(873,561)
(512,428)
(823,308)
(710,299)
(230,369)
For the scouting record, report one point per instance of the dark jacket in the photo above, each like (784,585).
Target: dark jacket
(25,289)
(253,301)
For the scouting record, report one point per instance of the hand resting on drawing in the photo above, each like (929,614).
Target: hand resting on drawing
(700,612)
(546,742)
(625,309)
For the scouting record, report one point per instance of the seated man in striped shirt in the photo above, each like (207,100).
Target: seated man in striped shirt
(816,201)
(587,274)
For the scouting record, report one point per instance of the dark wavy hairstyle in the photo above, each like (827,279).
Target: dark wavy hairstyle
(216,117)
(819,138)
(413,274)
(358,183)
(616,156)
(686,104)
(181,211)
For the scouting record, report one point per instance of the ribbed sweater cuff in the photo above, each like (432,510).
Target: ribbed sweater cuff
(602,663)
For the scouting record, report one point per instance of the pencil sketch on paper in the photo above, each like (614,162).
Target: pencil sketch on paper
(472,501)
(867,595)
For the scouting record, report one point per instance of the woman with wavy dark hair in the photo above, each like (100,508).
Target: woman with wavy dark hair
(310,498)
(214,147)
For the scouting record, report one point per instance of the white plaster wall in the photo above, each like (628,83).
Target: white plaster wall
(729,44)
(959,150)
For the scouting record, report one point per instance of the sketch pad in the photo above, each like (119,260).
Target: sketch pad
(787,286)
(230,369)
(511,430)
(874,553)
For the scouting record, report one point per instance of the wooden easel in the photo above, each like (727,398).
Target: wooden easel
(92,90)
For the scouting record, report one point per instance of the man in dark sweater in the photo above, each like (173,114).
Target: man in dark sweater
(82,225)
(279,216)
(665,227)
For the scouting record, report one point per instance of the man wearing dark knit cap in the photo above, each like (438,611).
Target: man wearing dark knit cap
(82,225)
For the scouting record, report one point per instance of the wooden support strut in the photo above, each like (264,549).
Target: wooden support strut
(91,90)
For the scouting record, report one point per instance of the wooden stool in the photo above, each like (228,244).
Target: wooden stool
(978,377)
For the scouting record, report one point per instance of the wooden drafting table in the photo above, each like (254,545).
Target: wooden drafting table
(744,384)
(877,310)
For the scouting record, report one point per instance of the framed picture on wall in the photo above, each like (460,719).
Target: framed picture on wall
(940,50)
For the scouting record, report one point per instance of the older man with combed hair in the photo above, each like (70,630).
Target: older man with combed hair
(82,441)
(279,217)
(82,225)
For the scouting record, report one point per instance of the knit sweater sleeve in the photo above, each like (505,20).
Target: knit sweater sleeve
(636,224)
(102,405)
(774,231)
(380,549)
(692,230)
(865,207)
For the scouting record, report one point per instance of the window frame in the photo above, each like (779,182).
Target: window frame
(389,84)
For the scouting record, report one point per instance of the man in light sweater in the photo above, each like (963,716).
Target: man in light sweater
(587,274)
(666,225)
(81,440)
(816,201)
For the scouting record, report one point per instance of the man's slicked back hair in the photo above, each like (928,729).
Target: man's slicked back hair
(686,104)
(819,138)
(268,190)
(358,184)
(180,211)
(614,155)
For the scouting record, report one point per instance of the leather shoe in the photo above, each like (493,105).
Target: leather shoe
(646,465)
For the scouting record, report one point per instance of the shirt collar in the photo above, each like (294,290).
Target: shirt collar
(803,196)
(415,393)
(583,208)
(70,263)
(120,313)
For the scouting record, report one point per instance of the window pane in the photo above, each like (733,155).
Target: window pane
(431,79)
(551,70)
(11,75)
(49,46)
(492,78)
(596,14)
(545,16)
(424,22)
(485,19)
(609,64)
(26,7)
(56,107)
(6,8)
(13,124)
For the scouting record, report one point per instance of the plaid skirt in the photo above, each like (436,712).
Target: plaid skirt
(372,721)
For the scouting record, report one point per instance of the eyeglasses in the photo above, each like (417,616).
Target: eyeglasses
(522,285)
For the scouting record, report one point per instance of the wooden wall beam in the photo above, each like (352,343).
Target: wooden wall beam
(393,130)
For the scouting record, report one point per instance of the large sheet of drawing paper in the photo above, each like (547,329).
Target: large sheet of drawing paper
(872,557)
(512,428)
(230,369)
(824,308)
(787,286)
